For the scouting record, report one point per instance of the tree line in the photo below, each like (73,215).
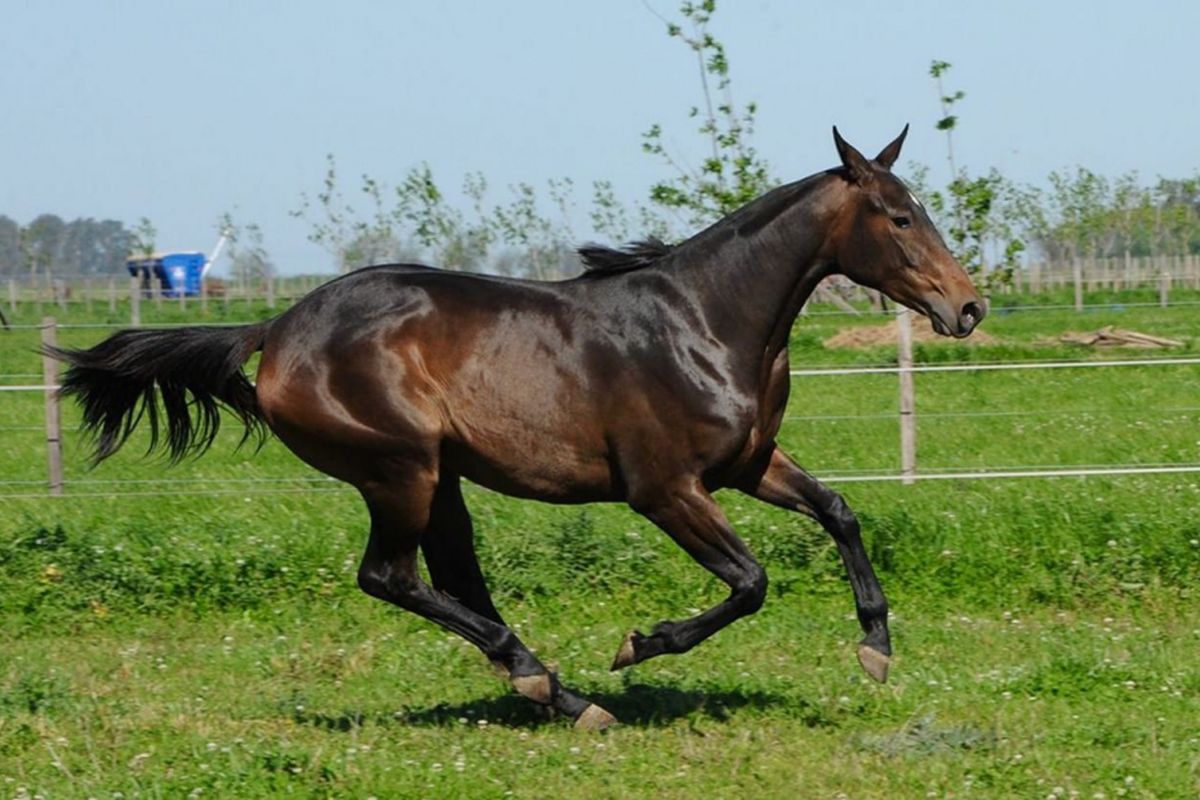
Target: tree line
(82,246)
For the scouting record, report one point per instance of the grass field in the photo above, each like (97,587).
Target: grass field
(1047,631)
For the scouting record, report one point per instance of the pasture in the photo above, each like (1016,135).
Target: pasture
(198,632)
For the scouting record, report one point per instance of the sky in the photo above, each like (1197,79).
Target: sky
(181,111)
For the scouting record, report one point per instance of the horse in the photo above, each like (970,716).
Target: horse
(656,377)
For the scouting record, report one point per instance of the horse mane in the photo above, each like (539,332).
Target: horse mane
(600,260)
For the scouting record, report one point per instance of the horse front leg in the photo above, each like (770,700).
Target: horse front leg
(784,484)
(689,515)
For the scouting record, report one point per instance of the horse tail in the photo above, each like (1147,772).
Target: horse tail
(130,373)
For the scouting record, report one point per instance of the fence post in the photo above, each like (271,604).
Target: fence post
(1077,274)
(60,293)
(53,418)
(908,416)
(12,295)
(135,303)
(1164,288)
(203,296)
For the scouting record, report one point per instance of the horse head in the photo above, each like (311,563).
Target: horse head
(883,238)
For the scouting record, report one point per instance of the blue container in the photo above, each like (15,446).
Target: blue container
(176,273)
(182,272)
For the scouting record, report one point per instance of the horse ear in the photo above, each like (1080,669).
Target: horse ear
(855,162)
(888,155)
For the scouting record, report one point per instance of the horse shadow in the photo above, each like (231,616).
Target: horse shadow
(640,705)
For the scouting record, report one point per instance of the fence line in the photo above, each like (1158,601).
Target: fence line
(993,366)
(882,477)
(1017,473)
(907,416)
(1161,273)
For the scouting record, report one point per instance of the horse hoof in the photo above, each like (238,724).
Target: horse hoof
(536,687)
(874,662)
(594,718)
(625,654)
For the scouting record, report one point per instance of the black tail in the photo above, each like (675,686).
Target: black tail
(115,383)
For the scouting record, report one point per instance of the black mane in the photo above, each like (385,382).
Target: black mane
(635,255)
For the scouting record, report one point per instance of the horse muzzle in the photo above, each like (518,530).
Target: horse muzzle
(957,324)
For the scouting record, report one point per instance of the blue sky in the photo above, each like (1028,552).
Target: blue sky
(180,111)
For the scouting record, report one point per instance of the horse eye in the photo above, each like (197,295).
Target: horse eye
(901,222)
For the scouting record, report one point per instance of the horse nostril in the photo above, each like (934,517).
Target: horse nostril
(974,311)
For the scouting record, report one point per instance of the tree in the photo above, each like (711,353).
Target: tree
(249,261)
(731,173)
(980,228)
(10,246)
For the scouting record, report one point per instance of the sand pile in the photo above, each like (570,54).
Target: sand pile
(882,335)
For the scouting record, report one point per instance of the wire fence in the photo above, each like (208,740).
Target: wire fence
(56,484)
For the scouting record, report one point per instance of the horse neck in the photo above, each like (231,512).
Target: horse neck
(755,269)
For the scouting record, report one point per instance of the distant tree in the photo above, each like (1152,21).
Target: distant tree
(545,244)
(10,246)
(448,237)
(249,261)
(144,236)
(41,243)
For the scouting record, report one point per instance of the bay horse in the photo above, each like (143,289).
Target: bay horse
(655,378)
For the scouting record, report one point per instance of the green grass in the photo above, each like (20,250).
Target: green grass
(1046,630)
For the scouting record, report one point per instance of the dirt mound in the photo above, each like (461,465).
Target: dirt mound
(882,335)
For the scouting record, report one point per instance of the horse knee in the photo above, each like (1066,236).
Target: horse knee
(840,517)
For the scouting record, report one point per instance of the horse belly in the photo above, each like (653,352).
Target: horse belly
(527,431)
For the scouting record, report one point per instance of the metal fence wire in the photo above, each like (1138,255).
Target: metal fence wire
(56,485)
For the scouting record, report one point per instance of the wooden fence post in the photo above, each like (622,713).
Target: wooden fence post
(135,302)
(112,296)
(203,296)
(908,416)
(53,417)
(1164,288)
(1077,274)
(12,295)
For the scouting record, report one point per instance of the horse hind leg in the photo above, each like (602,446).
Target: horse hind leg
(403,513)
(449,549)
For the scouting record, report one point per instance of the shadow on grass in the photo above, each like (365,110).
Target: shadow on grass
(642,705)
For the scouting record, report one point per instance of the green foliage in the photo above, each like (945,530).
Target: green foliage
(976,222)
(248,256)
(731,173)
(415,220)
(144,236)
